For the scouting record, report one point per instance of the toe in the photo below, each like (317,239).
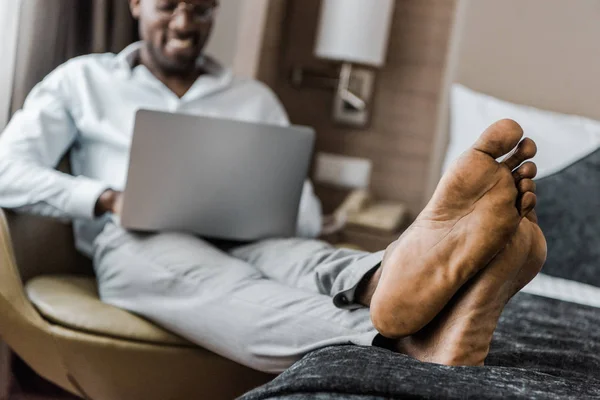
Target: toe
(527,203)
(526,150)
(525,171)
(532,216)
(500,138)
(526,185)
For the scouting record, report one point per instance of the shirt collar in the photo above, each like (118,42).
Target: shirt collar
(129,58)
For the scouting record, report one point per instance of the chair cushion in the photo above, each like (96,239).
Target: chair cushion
(73,302)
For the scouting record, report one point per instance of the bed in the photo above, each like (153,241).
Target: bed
(540,53)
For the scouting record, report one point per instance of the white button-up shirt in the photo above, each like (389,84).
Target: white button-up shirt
(88,106)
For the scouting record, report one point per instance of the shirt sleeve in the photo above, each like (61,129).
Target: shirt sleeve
(31,147)
(310,215)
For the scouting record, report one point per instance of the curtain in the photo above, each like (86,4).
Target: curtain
(52,31)
(9,21)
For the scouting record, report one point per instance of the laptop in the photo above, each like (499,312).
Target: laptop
(215,178)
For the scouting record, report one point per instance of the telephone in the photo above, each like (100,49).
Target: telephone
(360,210)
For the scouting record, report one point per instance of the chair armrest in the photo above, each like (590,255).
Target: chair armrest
(5,371)
(21,326)
(12,293)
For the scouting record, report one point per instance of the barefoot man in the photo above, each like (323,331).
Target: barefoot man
(436,293)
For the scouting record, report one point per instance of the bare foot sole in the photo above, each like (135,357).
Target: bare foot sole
(469,220)
(462,333)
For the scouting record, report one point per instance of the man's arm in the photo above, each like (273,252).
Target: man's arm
(30,149)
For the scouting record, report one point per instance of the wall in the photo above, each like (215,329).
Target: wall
(9,21)
(399,140)
(238,34)
(270,67)
(223,43)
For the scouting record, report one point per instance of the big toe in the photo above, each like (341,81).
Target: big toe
(500,138)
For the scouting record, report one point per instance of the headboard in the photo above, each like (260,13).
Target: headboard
(542,53)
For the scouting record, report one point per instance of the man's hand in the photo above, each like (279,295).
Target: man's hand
(109,201)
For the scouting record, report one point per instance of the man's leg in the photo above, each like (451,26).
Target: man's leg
(228,306)
(462,332)
(473,214)
(316,267)
(219,302)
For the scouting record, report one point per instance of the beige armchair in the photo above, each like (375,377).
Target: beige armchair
(51,316)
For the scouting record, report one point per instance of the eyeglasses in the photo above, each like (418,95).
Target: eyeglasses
(200,13)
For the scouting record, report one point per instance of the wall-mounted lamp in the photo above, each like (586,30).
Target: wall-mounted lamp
(351,32)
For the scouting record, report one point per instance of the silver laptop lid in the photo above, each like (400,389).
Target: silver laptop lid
(215,178)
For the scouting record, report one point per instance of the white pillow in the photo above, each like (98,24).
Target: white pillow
(562,139)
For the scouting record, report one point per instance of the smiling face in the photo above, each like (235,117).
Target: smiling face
(174,32)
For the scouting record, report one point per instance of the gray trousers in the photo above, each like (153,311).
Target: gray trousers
(263,305)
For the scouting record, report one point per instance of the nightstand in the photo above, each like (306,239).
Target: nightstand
(353,235)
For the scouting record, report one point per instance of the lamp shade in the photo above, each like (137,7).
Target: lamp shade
(355,31)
